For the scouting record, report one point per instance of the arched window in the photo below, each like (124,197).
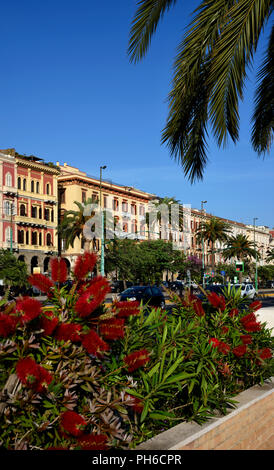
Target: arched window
(8,179)
(48,239)
(125,227)
(46,214)
(23,211)
(24,184)
(19,183)
(7,207)
(37,187)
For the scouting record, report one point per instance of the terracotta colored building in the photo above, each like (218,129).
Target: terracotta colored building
(28,195)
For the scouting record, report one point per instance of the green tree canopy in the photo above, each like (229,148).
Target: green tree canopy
(12,272)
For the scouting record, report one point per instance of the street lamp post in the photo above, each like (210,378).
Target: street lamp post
(102,269)
(203,248)
(256,269)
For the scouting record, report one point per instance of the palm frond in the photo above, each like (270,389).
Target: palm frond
(233,52)
(144,25)
(263,117)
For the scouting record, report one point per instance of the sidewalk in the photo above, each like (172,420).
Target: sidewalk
(266,314)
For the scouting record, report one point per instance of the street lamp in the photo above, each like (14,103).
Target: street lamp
(203,248)
(256,271)
(102,232)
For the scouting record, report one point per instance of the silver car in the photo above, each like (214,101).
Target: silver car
(247,290)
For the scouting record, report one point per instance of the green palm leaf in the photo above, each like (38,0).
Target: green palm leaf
(263,117)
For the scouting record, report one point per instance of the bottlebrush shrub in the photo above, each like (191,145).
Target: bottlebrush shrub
(195,359)
(57,353)
(92,376)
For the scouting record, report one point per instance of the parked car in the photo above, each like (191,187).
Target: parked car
(177,286)
(150,295)
(247,290)
(118,286)
(218,289)
(269,285)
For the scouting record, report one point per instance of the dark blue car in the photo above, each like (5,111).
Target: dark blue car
(150,295)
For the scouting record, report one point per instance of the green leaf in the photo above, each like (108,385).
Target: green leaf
(154,369)
(161,415)
(179,377)
(145,411)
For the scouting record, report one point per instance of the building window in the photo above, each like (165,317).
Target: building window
(8,179)
(34,238)
(84,196)
(134,226)
(105,202)
(143,229)
(40,239)
(33,212)
(24,184)
(27,238)
(115,204)
(125,227)
(8,234)
(124,206)
(52,215)
(48,239)
(8,208)
(37,187)
(21,236)
(32,186)
(48,188)
(141,210)
(133,209)
(46,214)
(19,183)
(40,212)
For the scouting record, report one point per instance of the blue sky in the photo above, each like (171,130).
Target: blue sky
(70,94)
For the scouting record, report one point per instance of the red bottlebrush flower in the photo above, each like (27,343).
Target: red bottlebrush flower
(94,344)
(93,442)
(216,300)
(256,305)
(27,309)
(214,342)
(239,351)
(112,329)
(246,339)
(265,353)
(45,380)
(189,299)
(234,312)
(136,403)
(59,270)
(7,324)
(28,372)
(92,297)
(225,330)
(198,307)
(68,332)
(48,322)
(252,326)
(33,375)
(72,423)
(43,283)
(136,359)
(126,309)
(223,347)
(84,265)
(250,317)
(224,368)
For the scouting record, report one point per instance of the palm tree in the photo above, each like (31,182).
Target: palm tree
(165,201)
(212,231)
(239,247)
(71,227)
(209,75)
(270,255)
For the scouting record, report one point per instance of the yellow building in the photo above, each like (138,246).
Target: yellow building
(127,204)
